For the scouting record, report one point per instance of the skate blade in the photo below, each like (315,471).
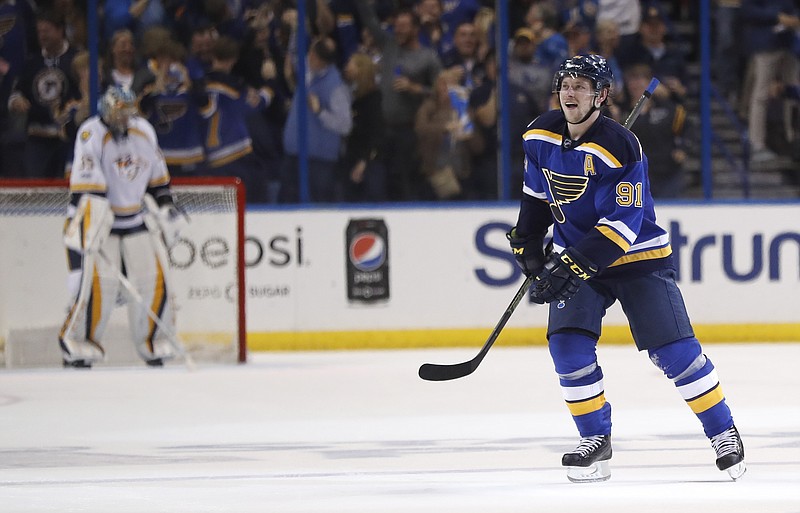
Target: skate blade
(599,471)
(737,471)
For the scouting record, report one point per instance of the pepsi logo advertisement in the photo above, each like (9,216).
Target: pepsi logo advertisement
(367,260)
(367,251)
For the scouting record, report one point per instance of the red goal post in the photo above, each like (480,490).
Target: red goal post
(207,272)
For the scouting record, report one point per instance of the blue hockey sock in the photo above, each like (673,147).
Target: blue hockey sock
(581,380)
(696,379)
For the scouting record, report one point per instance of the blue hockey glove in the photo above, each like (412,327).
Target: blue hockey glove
(562,276)
(528,251)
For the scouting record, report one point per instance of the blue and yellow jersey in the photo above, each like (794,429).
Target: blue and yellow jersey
(176,120)
(596,193)
(227,137)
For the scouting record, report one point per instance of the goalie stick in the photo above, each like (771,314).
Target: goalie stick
(446,372)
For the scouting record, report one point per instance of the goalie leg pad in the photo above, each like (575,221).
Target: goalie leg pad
(147,273)
(90,226)
(86,352)
(74,278)
(81,334)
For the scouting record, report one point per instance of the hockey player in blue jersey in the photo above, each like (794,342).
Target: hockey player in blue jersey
(586,175)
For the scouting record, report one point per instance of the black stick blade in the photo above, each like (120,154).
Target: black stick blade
(438,372)
(446,372)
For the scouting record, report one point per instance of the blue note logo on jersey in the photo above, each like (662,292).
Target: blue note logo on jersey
(367,251)
(563,189)
(167,112)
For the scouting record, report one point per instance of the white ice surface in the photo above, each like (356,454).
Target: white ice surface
(358,431)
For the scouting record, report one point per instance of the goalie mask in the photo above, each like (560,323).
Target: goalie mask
(116,107)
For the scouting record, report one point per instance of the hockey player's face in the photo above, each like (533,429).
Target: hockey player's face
(577,97)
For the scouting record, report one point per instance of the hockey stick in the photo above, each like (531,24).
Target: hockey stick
(137,298)
(445,372)
(637,109)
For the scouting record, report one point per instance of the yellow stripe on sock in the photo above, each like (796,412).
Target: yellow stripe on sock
(587,406)
(706,401)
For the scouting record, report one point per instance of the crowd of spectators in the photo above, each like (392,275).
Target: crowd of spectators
(401,103)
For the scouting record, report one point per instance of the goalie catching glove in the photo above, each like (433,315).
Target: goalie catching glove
(562,276)
(528,251)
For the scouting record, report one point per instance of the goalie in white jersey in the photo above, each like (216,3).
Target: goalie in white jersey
(115,242)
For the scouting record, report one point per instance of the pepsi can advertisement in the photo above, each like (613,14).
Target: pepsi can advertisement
(367,246)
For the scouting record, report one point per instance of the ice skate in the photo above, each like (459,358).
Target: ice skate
(588,462)
(730,452)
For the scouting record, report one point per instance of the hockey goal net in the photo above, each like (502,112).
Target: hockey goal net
(206,278)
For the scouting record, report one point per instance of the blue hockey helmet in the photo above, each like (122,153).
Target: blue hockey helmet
(593,67)
(116,107)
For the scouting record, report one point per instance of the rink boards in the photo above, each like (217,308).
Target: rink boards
(450,276)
